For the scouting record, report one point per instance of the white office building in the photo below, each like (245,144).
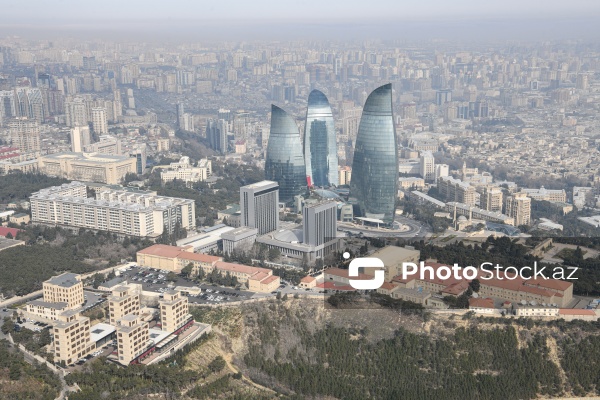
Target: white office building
(259,204)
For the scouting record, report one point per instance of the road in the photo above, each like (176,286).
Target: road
(415,229)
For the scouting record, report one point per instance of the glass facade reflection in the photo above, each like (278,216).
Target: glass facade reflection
(374,183)
(285,161)
(320,148)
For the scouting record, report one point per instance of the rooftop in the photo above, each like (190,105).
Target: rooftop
(67,279)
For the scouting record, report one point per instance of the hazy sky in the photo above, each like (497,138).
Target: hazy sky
(304,19)
(22,11)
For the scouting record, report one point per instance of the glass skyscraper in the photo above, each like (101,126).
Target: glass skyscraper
(320,148)
(374,183)
(285,161)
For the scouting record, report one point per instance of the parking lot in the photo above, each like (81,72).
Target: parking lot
(156,281)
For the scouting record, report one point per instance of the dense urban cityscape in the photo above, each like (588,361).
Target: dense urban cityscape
(182,218)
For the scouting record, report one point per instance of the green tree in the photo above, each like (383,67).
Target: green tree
(172,277)
(8,325)
(217,364)
(274,254)
(187,270)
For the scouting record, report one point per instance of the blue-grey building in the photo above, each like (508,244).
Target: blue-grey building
(285,161)
(320,147)
(374,183)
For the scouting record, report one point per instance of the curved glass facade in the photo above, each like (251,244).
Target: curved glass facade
(285,161)
(374,183)
(320,147)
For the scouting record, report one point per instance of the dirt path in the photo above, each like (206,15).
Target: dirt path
(228,357)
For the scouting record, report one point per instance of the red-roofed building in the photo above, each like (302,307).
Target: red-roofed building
(480,305)
(308,282)
(549,291)
(5,231)
(165,257)
(387,288)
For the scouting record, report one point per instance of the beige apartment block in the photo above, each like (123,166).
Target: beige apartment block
(173,311)
(123,301)
(72,339)
(66,288)
(132,338)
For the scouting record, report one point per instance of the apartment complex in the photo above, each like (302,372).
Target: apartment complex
(543,194)
(25,135)
(91,167)
(491,198)
(66,288)
(123,301)
(126,212)
(72,339)
(132,338)
(518,206)
(456,190)
(173,310)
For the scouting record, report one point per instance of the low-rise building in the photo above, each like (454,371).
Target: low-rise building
(19,218)
(174,258)
(91,167)
(186,172)
(239,239)
(536,311)
(65,288)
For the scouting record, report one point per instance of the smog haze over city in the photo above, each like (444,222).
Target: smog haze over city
(300,200)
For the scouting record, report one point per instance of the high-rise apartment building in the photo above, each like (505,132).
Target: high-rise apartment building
(99,121)
(374,182)
(518,206)
(320,147)
(80,138)
(216,133)
(456,190)
(173,310)
(491,198)
(259,206)
(427,166)
(285,161)
(441,170)
(25,135)
(76,112)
